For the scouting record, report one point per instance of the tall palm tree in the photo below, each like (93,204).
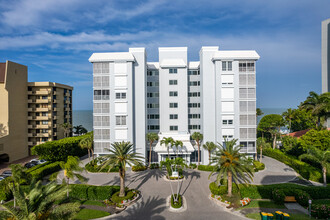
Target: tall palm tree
(18,175)
(288,115)
(231,165)
(322,157)
(121,153)
(87,143)
(41,202)
(71,167)
(318,104)
(151,137)
(167,141)
(261,143)
(198,137)
(177,144)
(66,128)
(209,146)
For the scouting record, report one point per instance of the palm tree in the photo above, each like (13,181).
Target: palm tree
(79,129)
(87,143)
(18,175)
(288,115)
(318,104)
(231,165)
(209,146)
(177,144)
(167,141)
(151,137)
(259,112)
(121,153)
(41,202)
(70,167)
(198,137)
(322,157)
(261,143)
(66,128)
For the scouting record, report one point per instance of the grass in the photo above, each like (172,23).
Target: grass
(90,214)
(92,202)
(262,204)
(257,216)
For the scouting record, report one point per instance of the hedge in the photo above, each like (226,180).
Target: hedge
(129,194)
(93,168)
(305,170)
(139,168)
(177,204)
(89,192)
(205,167)
(46,170)
(321,211)
(265,191)
(302,197)
(59,150)
(154,166)
(258,166)
(37,167)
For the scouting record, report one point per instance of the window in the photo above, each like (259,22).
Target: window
(227,136)
(45,122)
(194,116)
(97,95)
(227,122)
(44,114)
(194,94)
(173,105)
(227,66)
(173,128)
(173,82)
(194,105)
(152,73)
(120,120)
(246,66)
(105,94)
(153,127)
(152,94)
(194,83)
(173,71)
(153,116)
(150,84)
(44,97)
(173,93)
(173,116)
(194,127)
(120,95)
(152,105)
(193,72)
(224,66)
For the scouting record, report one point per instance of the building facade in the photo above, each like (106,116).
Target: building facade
(326,58)
(215,96)
(30,112)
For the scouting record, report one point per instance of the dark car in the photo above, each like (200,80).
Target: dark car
(6,173)
(31,164)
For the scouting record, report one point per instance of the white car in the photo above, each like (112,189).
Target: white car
(38,161)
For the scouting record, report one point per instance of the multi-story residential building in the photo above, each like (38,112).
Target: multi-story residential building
(30,112)
(326,58)
(174,98)
(49,106)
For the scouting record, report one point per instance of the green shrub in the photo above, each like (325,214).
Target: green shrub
(129,196)
(221,190)
(301,196)
(278,196)
(59,150)
(178,203)
(89,192)
(46,170)
(139,168)
(94,168)
(321,211)
(304,169)
(192,166)
(5,192)
(205,167)
(291,146)
(258,166)
(154,166)
(37,167)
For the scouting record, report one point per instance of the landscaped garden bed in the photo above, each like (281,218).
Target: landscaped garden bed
(176,204)
(130,197)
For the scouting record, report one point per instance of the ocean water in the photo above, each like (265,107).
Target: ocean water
(85,117)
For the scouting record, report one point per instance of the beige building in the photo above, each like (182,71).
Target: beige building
(30,112)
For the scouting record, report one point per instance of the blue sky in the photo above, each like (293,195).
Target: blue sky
(55,38)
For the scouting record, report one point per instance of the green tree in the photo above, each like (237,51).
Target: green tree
(271,124)
(291,145)
(66,129)
(259,112)
(19,175)
(322,157)
(71,167)
(198,137)
(288,115)
(302,119)
(319,105)
(121,154)
(231,165)
(319,139)
(41,202)
(88,143)
(79,129)
(261,144)
(177,144)
(209,146)
(151,137)
(167,141)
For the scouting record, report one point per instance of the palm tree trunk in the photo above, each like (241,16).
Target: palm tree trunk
(230,183)
(122,183)
(318,121)
(89,155)
(209,157)
(324,171)
(168,152)
(260,154)
(150,154)
(198,152)
(274,141)
(92,154)
(67,188)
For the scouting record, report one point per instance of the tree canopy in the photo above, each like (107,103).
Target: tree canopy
(318,139)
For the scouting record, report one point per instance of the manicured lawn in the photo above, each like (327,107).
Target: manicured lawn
(93,202)
(257,216)
(90,214)
(262,204)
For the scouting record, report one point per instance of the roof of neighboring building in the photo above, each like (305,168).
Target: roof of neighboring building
(2,72)
(193,65)
(298,134)
(49,84)
(107,57)
(153,65)
(173,63)
(236,55)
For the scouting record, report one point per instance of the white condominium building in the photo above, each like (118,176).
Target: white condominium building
(215,96)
